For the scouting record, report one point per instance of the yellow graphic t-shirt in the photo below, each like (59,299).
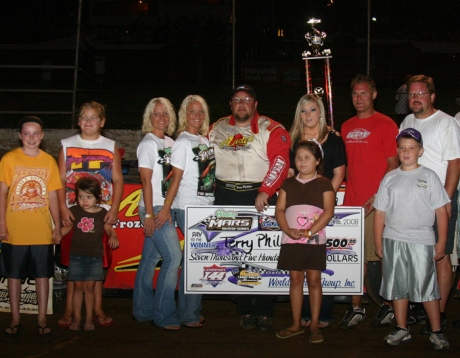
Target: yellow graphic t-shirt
(29,181)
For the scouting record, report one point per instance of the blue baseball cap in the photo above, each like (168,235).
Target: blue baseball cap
(410,132)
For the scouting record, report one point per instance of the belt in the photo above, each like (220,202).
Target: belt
(238,186)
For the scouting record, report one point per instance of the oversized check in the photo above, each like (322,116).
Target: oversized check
(235,249)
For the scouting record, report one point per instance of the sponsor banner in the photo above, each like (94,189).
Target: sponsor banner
(235,250)
(125,259)
(28,302)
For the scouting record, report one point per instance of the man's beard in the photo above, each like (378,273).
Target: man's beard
(418,110)
(242,118)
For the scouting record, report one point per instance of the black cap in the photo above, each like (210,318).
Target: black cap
(28,119)
(245,88)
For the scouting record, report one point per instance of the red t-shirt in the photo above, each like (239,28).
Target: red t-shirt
(368,143)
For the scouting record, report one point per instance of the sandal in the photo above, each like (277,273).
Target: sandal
(89,327)
(172,328)
(305,322)
(43,330)
(193,325)
(324,324)
(12,331)
(74,326)
(287,333)
(104,321)
(65,322)
(316,337)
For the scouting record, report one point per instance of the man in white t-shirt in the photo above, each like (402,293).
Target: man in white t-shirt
(441,137)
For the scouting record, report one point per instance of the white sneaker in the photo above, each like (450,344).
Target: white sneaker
(353,316)
(439,340)
(397,336)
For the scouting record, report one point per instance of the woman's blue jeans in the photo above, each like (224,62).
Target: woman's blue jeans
(189,307)
(159,307)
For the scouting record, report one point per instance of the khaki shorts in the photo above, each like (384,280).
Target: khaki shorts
(369,247)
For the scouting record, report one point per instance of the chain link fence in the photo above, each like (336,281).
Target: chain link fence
(132,51)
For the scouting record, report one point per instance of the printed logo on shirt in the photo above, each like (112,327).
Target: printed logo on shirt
(29,190)
(422,183)
(165,162)
(96,163)
(237,142)
(204,157)
(357,135)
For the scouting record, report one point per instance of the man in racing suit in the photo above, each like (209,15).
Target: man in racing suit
(252,161)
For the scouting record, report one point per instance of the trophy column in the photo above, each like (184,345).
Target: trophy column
(316,40)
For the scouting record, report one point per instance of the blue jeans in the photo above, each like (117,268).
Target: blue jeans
(189,307)
(159,307)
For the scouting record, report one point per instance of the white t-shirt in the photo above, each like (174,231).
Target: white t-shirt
(409,200)
(457,116)
(441,140)
(192,154)
(155,153)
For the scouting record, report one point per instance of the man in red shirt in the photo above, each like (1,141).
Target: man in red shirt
(369,139)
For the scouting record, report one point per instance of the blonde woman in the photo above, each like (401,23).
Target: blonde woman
(310,124)
(192,184)
(154,154)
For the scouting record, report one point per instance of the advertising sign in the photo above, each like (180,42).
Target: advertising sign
(130,232)
(235,250)
(28,302)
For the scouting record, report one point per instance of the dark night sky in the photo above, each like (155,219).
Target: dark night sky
(36,20)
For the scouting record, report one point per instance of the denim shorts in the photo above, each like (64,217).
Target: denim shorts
(85,268)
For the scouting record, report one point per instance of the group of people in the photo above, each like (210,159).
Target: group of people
(406,181)
(73,203)
(401,205)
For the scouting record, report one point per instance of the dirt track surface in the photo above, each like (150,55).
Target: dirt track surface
(220,337)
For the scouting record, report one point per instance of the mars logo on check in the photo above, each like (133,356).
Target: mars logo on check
(224,220)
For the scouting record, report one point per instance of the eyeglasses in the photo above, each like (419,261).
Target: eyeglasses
(245,100)
(417,94)
(89,119)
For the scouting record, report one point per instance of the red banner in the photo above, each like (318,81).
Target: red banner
(125,259)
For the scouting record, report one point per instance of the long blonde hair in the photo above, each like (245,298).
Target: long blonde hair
(204,129)
(147,126)
(297,125)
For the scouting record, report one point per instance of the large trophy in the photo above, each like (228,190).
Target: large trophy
(315,40)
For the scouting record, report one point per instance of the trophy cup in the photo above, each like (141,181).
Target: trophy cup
(315,40)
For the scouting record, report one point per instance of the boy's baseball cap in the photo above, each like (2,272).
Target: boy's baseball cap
(410,132)
(28,119)
(245,88)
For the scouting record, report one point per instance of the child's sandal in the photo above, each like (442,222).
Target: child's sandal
(74,326)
